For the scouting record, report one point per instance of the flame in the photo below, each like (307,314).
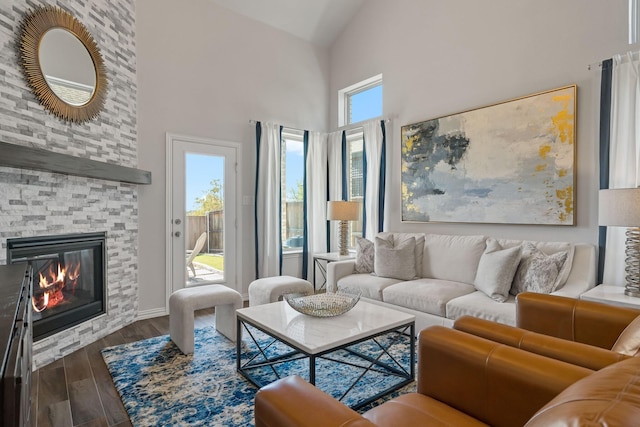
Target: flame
(51,286)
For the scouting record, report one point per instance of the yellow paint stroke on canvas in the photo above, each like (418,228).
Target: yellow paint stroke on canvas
(544,150)
(408,146)
(406,194)
(562,173)
(565,202)
(541,167)
(563,121)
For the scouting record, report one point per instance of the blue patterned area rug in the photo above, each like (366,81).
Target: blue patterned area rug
(160,386)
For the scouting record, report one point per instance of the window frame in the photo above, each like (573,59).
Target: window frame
(344,98)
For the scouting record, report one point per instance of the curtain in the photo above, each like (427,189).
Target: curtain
(624,152)
(605,134)
(315,198)
(335,143)
(374,179)
(268,238)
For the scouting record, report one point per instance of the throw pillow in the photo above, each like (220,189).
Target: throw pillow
(537,272)
(496,270)
(397,262)
(629,340)
(364,255)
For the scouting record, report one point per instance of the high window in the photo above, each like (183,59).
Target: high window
(291,185)
(357,103)
(361,101)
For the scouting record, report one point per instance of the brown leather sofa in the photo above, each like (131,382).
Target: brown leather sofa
(462,380)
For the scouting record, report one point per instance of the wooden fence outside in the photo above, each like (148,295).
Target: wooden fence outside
(196,225)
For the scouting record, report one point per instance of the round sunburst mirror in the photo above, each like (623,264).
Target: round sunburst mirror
(62,64)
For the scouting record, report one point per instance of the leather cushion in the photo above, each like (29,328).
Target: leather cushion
(418,410)
(629,340)
(609,397)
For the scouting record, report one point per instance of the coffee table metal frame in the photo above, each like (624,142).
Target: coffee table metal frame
(374,363)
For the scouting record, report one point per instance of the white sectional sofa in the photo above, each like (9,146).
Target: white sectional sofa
(446,272)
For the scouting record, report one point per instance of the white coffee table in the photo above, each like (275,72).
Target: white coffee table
(319,338)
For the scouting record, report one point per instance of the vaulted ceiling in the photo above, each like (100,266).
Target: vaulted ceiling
(317,21)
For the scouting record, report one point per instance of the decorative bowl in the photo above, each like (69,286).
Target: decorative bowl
(322,305)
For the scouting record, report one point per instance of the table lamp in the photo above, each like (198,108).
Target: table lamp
(620,207)
(343,212)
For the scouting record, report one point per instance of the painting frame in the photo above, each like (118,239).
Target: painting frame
(511,162)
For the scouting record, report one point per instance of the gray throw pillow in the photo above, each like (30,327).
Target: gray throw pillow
(397,262)
(537,272)
(496,270)
(365,251)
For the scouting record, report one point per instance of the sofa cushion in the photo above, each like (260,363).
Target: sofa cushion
(397,238)
(395,261)
(549,248)
(454,258)
(608,397)
(365,252)
(368,285)
(479,305)
(496,270)
(538,272)
(414,409)
(426,295)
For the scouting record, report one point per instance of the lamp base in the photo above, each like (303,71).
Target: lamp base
(344,228)
(632,262)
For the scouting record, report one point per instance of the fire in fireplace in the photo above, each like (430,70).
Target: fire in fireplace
(69,278)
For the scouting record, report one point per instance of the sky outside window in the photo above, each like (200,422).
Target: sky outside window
(200,171)
(366,104)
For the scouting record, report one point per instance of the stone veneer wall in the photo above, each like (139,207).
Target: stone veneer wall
(41,203)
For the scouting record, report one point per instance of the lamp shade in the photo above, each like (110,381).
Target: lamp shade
(342,211)
(619,207)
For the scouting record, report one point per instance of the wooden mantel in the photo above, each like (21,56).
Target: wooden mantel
(17,156)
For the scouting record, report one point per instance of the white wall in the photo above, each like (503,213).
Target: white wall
(205,71)
(443,57)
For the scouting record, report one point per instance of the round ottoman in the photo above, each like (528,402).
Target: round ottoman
(271,289)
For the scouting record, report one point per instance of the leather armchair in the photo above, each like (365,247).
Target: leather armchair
(462,380)
(567,329)
(572,319)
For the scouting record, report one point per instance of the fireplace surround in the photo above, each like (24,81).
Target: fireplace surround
(69,278)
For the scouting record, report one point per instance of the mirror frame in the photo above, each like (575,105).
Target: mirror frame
(34,26)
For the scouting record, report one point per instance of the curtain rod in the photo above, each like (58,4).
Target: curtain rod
(599,64)
(346,127)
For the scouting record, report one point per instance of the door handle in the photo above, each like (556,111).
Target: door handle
(177,234)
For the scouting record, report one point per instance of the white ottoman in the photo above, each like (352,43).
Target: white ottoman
(271,289)
(183,302)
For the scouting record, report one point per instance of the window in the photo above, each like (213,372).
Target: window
(357,103)
(291,185)
(361,101)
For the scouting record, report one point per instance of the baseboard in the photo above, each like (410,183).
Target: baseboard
(154,312)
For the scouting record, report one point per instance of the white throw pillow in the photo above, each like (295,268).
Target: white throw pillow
(365,252)
(397,262)
(496,270)
(537,272)
(629,340)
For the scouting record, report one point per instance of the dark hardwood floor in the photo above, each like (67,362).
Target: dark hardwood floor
(78,391)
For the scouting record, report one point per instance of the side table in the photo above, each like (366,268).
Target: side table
(613,295)
(320,262)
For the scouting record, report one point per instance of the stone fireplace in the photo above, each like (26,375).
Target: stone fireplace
(36,203)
